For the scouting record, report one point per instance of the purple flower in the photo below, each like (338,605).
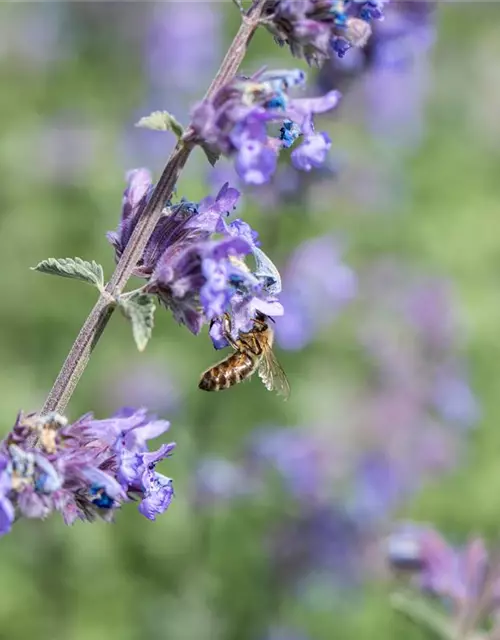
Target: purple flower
(83,470)
(158,494)
(314,29)
(190,37)
(145,382)
(235,121)
(197,284)
(317,285)
(181,225)
(393,70)
(6,509)
(198,278)
(218,479)
(454,399)
(455,574)
(139,187)
(312,152)
(295,456)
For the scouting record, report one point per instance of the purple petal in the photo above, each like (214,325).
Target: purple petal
(158,493)
(312,152)
(255,162)
(6,515)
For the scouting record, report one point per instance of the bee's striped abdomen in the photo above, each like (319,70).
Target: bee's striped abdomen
(227,373)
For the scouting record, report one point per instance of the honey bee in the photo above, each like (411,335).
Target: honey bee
(253,352)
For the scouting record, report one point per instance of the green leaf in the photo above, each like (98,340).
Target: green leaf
(75,268)
(161,121)
(211,154)
(140,310)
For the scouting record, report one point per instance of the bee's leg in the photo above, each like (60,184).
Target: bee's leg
(226,331)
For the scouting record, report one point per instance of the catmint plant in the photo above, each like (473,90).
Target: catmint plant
(194,260)
(465,581)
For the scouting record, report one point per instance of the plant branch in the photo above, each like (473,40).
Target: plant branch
(92,329)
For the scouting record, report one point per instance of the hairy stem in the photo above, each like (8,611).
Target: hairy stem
(94,325)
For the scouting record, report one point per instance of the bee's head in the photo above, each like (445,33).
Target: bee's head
(261,317)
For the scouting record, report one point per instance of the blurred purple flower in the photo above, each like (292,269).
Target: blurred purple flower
(182,46)
(146,383)
(34,35)
(394,71)
(453,398)
(65,147)
(320,538)
(282,633)
(296,456)
(316,286)
(378,487)
(219,480)
(457,575)
(312,152)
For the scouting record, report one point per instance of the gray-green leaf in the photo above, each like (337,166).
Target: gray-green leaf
(140,310)
(75,268)
(212,154)
(161,121)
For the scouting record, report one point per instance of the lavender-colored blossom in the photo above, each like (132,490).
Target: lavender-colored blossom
(145,382)
(317,285)
(295,455)
(195,276)
(190,37)
(316,29)
(453,398)
(218,480)
(457,575)
(181,48)
(320,538)
(235,121)
(191,284)
(85,469)
(158,494)
(312,152)
(6,508)
(181,224)
(392,70)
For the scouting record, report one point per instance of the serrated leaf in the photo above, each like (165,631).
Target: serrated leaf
(161,121)
(75,268)
(140,311)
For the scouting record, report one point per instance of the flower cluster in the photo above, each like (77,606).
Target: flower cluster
(194,260)
(235,122)
(83,470)
(465,579)
(315,29)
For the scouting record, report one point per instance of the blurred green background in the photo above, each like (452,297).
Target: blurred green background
(74,79)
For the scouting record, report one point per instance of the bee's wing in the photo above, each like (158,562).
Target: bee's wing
(271,373)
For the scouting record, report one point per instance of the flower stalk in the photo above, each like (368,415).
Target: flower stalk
(91,331)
